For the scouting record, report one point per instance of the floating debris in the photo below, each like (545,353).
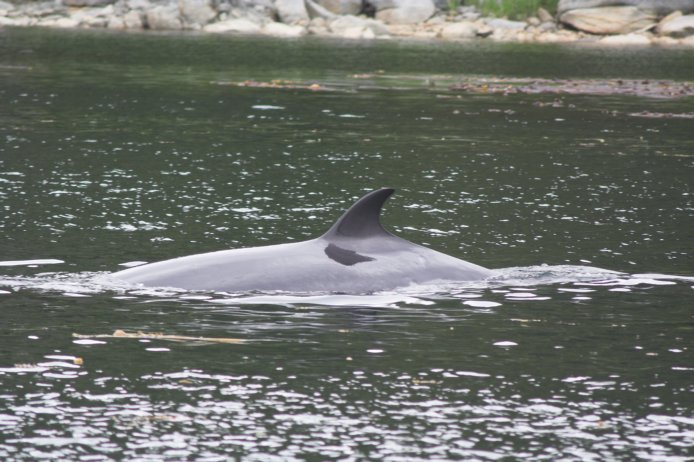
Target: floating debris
(668,89)
(159,336)
(278,84)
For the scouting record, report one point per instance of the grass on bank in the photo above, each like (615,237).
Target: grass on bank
(512,9)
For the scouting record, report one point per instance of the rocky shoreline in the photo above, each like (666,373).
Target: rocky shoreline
(609,22)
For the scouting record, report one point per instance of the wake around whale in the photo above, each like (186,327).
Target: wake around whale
(355,256)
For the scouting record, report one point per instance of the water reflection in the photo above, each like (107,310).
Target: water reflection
(348,415)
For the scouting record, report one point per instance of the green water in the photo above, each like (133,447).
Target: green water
(128,147)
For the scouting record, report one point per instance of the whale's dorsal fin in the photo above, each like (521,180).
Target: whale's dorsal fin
(361,220)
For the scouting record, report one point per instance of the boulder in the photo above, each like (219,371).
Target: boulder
(278,29)
(341,6)
(240,25)
(5,7)
(660,7)
(292,11)
(196,13)
(404,11)
(544,15)
(609,20)
(163,17)
(677,26)
(133,20)
(458,30)
(317,11)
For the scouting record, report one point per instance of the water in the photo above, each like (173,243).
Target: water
(127,147)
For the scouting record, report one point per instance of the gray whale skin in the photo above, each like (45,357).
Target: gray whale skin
(355,256)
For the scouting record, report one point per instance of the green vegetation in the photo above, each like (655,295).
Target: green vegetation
(512,9)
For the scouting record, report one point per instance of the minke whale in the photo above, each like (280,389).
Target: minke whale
(355,256)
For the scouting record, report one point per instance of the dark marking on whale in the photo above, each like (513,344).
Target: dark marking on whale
(345,256)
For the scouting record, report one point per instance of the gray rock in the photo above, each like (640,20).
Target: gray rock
(505,24)
(264,9)
(137,5)
(404,11)
(357,27)
(278,29)
(341,6)
(93,17)
(482,29)
(547,27)
(5,8)
(40,9)
(58,21)
(315,10)
(240,25)
(609,20)
(196,13)
(133,20)
(291,11)
(625,40)
(458,30)
(544,15)
(87,2)
(258,16)
(163,17)
(660,7)
(9,21)
(116,22)
(677,27)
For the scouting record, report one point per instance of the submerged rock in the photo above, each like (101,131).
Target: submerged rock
(609,20)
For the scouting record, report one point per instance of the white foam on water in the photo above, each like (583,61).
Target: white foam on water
(506,285)
(40,261)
